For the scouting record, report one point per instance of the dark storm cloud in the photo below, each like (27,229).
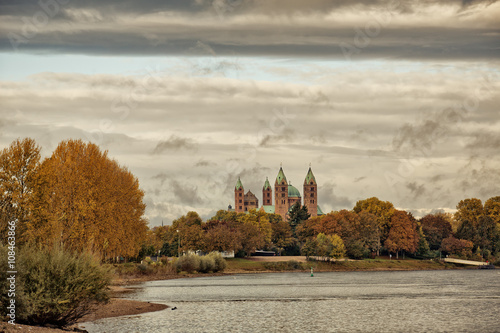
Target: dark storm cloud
(174,143)
(325,29)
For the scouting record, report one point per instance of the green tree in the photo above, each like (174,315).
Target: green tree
(488,235)
(423,249)
(296,216)
(309,248)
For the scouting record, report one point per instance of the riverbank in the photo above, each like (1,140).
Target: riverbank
(116,307)
(122,307)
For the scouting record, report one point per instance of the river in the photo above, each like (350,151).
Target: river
(415,301)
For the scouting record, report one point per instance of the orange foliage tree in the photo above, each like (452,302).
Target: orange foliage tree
(403,235)
(86,201)
(19,164)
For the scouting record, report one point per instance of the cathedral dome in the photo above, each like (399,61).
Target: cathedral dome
(293,192)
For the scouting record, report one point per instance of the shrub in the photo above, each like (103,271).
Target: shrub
(144,269)
(206,264)
(188,263)
(57,287)
(219,262)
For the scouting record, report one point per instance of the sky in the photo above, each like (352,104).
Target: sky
(393,99)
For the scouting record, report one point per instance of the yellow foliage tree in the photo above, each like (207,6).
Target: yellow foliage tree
(86,201)
(19,164)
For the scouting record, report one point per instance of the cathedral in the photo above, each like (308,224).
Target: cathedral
(285,196)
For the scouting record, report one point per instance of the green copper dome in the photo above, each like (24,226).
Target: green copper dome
(239,185)
(293,192)
(267,186)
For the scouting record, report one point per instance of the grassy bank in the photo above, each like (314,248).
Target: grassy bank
(131,273)
(239,265)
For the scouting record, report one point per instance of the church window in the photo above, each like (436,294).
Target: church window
(240,194)
(312,195)
(282,194)
(312,182)
(282,188)
(240,207)
(268,194)
(312,188)
(240,200)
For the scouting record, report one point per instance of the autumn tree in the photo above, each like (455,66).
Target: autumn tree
(329,246)
(403,234)
(86,201)
(461,247)
(309,229)
(492,208)
(435,228)
(281,232)
(260,219)
(222,235)
(187,232)
(383,210)
(19,164)
(469,210)
(360,233)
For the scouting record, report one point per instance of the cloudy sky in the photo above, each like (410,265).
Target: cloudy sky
(398,100)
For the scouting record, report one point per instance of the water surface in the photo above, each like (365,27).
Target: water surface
(421,301)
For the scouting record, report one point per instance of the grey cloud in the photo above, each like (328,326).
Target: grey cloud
(328,198)
(416,190)
(162,177)
(359,179)
(185,193)
(174,143)
(204,163)
(484,141)
(246,31)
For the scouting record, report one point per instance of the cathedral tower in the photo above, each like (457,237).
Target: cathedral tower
(239,197)
(281,194)
(267,194)
(311,193)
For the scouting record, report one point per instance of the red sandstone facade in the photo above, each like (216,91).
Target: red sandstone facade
(285,196)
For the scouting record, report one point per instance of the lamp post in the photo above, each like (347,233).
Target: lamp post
(178,244)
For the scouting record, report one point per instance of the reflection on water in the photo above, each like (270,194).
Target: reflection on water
(426,301)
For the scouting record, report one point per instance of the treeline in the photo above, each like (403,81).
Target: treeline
(77,198)
(371,227)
